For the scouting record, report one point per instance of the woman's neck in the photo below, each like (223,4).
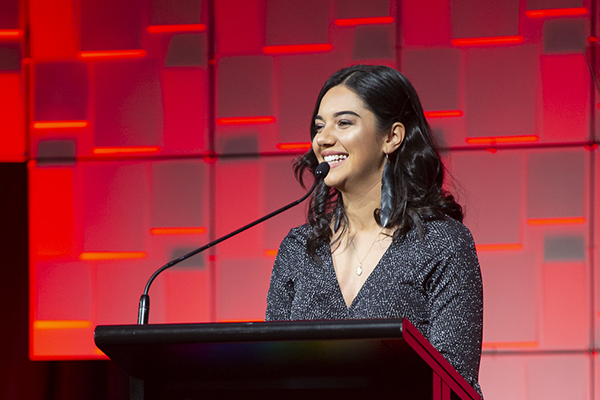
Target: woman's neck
(360,207)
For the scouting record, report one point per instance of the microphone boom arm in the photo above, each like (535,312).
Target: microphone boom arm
(144,307)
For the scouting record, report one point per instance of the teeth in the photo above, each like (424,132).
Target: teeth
(335,158)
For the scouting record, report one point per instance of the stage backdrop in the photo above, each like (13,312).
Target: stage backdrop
(151,127)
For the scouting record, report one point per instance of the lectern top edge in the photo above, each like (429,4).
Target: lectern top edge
(248,331)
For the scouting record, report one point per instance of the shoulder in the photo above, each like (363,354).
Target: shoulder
(295,240)
(447,235)
(298,234)
(448,231)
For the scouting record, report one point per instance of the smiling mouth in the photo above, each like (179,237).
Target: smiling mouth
(335,159)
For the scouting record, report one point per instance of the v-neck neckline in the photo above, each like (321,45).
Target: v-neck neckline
(337,282)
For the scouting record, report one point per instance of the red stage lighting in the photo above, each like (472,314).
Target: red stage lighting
(443,114)
(111,255)
(66,324)
(176,28)
(483,41)
(363,21)
(7,34)
(298,48)
(178,231)
(245,120)
(502,139)
(60,124)
(499,247)
(556,221)
(126,150)
(294,146)
(556,12)
(90,55)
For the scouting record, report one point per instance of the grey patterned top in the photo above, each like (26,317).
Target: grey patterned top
(435,282)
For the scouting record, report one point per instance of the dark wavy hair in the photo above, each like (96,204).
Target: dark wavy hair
(418,172)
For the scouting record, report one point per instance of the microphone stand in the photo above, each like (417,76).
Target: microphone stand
(144,309)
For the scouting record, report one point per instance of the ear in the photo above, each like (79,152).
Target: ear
(394,138)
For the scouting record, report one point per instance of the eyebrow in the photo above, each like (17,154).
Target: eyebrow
(337,114)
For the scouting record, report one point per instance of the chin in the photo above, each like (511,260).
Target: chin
(335,183)
(329,181)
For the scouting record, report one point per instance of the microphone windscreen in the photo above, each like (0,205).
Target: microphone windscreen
(322,170)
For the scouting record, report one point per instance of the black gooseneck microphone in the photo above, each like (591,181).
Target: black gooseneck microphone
(320,173)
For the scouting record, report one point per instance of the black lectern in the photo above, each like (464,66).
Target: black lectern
(347,359)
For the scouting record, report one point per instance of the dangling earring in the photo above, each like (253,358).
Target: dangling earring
(387,193)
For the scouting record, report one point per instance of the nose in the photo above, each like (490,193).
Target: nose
(325,138)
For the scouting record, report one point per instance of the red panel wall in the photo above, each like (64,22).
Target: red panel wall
(154,126)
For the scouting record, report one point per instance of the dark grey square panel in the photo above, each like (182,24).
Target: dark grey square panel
(477,18)
(244,86)
(373,42)
(435,75)
(244,143)
(564,248)
(565,35)
(545,4)
(175,12)
(500,90)
(556,184)
(186,50)
(10,57)
(362,9)
(297,22)
(56,152)
(178,194)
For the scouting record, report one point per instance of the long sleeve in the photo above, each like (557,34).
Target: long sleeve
(455,303)
(281,289)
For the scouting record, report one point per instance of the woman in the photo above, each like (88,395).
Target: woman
(384,240)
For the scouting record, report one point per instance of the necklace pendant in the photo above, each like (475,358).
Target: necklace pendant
(359,270)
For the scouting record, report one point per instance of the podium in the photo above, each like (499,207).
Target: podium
(344,359)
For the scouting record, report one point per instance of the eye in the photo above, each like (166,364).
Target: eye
(343,123)
(319,127)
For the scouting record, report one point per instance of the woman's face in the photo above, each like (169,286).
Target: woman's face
(347,138)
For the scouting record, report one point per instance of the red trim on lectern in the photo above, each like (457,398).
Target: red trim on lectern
(440,366)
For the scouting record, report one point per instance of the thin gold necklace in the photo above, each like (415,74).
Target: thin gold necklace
(359,269)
